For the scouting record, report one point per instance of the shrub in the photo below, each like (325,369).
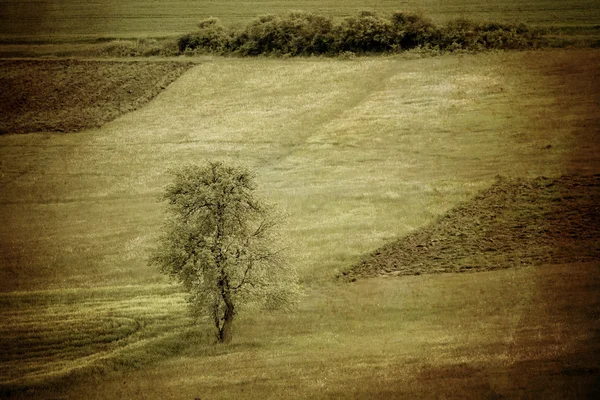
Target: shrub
(470,35)
(138,48)
(296,33)
(366,33)
(347,55)
(170,48)
(301,33)
(211,37)
(413,30)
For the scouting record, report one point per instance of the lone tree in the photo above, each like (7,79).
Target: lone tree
(219,243)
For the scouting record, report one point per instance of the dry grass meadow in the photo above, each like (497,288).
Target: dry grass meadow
(358,153)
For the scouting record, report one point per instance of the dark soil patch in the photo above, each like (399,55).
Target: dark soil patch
(71,95)
(515,222)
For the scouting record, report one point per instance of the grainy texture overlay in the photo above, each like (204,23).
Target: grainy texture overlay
(396,153)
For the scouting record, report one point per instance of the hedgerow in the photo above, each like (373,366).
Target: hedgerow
(302,34)
(470,35)
(138,48)
(297,33)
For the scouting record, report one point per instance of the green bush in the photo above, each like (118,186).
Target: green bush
(470,35)
(301,34)
(138,48)
(366,33)
(211,37)
(296,33)
(414,30)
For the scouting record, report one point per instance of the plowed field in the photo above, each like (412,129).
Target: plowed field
(515,222)
(71,95)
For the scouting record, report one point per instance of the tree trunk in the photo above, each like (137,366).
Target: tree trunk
(225,330)
(225,334)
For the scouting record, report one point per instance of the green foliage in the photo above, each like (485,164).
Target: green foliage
(413,30)
(139,48)
(218,244)
(301,33)
(366,33)
(296,33)
(211,37)
(470,35)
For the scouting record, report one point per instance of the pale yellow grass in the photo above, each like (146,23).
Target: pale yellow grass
(448,336)
(356,152)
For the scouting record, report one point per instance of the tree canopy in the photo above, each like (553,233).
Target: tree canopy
(220,241)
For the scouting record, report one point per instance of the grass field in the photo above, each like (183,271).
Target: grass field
(511,334)
(358,153)
(51,334)
(373,147)
(72,20)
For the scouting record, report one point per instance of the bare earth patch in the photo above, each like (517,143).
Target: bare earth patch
(71,95)
(515,222)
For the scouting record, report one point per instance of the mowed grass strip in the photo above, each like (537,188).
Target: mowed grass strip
(47,335)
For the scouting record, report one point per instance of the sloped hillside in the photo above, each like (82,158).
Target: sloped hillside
(515,222)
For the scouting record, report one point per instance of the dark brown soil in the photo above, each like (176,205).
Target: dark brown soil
(515,222)
(71,95)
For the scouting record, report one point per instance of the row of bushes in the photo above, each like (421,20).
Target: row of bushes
(138,48)
(302,33)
